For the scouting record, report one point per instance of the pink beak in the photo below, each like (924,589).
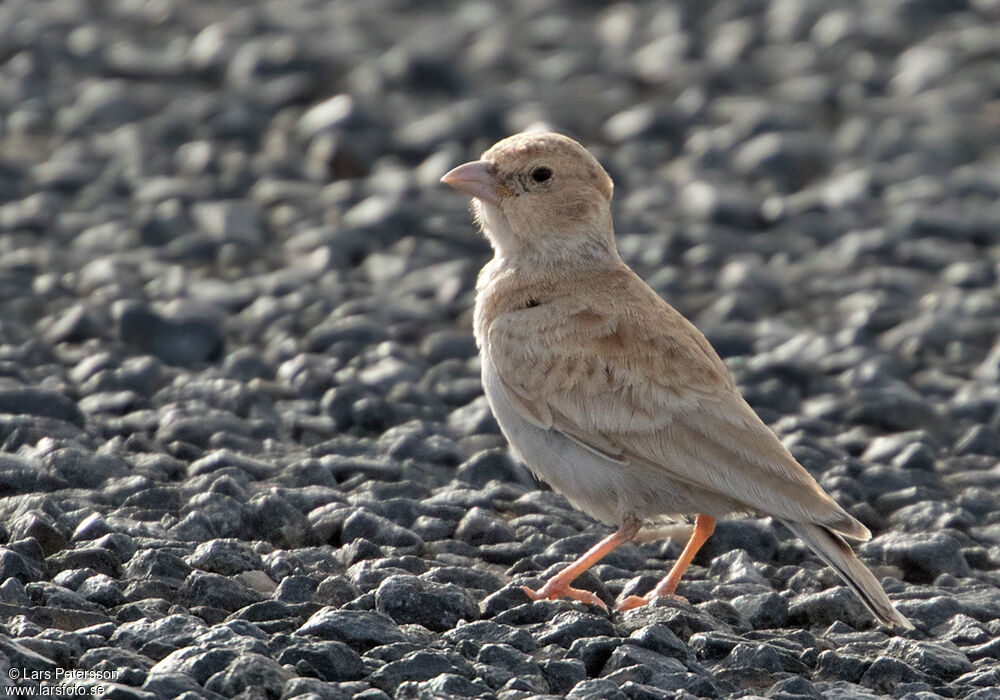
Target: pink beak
(474,179)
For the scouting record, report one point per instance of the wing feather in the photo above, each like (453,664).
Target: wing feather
(646,388)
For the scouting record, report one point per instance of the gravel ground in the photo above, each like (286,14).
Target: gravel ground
(244,450)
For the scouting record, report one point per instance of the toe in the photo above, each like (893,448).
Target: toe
(547,593)
(586,597)
(633,601)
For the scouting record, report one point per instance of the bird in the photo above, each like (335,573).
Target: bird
(608,393)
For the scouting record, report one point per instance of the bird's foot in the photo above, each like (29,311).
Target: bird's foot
(637,601)
(554,592)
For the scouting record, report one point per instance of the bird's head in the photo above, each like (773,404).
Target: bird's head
(539,195)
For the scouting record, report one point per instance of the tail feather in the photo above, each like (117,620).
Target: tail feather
(832,549)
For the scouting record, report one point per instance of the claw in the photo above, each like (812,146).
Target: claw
(556,592)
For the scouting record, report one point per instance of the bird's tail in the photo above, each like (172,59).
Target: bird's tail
(832,549)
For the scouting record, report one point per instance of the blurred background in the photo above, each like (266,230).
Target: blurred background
(189,186)
(188,179)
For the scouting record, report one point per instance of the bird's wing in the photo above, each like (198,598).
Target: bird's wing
(637,383)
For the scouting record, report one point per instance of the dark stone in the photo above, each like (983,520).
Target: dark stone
(446,685)
(762,610)
(480,527)
(316,689)
(175,630)
(641,691)
(225,458)
(213,590)
(465,577)
(84,469)
(14,566)
(271,518)
(888,503)
(102,590)
(476,418)
(506,553)
(392,652)
(506,657)
(922,557)
(490,465)
(981,440)
(361,629)
(794,688)
(509,598)
(489,632)
(929,516)
(56,596)
(713,645)
(762,657)
(12,589)
(594,652)
(24,658)
(826,607)
(91,528)
(681,618)
(375,528)
(933,611)
(659,638)
(941,659)
(40,402)
(915,456)
(157,564)
(736,567)
(755,538)
(41,528)
(171,684)
(181,338)
(628,655)
(333,661)
(596,689)
(195,662)
(127,665)
(100,560)
(226,557)
(296,589)
(28,548)
(839,665)
(891,410)
(193,527)
(417,666)
(438,607)
(567,627)
(886,674)
(250,672)
(335,591)
(563,674)
(790,160)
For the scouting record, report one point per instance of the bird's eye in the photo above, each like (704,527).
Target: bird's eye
(541,174)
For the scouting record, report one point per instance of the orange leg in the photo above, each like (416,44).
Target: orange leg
(704,526)
(558,586)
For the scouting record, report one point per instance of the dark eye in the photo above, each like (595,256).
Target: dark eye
(541,174)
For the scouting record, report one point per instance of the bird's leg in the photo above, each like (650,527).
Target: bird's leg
(704,526)
(558,586)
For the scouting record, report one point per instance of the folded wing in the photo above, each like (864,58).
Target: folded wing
(645,387)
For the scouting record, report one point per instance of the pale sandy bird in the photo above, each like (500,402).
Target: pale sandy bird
(607,392)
